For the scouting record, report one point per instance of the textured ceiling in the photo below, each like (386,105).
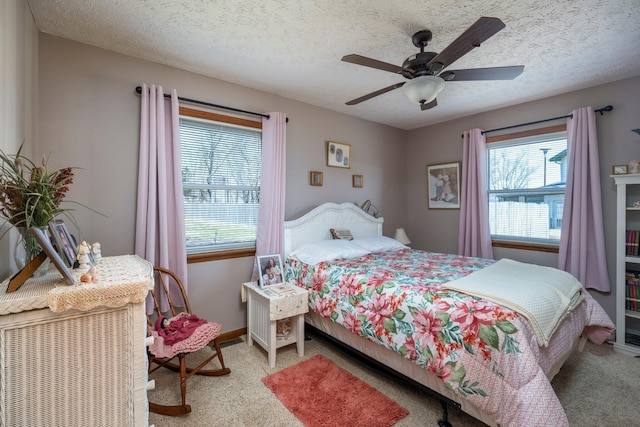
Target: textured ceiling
(292,48)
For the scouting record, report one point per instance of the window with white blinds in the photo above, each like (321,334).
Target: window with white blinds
(221,183)
(526,179)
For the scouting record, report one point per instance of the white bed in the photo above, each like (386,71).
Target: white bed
(315,225)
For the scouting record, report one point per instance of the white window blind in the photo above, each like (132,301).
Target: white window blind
(221,180)
(527,180)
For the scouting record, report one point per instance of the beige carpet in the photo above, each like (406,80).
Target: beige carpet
(597,387)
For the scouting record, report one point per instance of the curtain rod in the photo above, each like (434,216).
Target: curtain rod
(208,104)
(599,110)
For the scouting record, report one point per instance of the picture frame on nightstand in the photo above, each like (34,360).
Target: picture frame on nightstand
(270,270)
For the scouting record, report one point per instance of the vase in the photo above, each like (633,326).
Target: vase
(27,248)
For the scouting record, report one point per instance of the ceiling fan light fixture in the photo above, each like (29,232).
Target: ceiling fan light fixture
(423,89)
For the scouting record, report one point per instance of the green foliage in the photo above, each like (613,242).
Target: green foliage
(30,194)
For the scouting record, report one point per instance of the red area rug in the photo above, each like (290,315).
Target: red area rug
(321,394)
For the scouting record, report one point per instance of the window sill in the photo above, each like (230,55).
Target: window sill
(525,246)
(217,256)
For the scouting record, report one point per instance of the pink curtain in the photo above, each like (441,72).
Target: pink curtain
(582,240)
(474,236)
(270,236)
(160,233)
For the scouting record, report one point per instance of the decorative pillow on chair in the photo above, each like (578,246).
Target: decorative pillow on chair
(341,234)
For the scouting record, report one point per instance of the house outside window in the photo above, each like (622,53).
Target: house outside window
(526,179)
(221,160)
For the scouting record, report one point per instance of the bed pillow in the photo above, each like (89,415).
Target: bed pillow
(379,243)
(341,234)
(327,250)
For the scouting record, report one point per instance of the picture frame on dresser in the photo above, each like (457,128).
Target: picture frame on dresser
(65,244)
(620,169)
(45,243)
(270,270)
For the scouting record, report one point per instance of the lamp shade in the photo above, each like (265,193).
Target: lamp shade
(423,89)
(401,236)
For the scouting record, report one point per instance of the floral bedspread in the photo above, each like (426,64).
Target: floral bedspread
(480,350)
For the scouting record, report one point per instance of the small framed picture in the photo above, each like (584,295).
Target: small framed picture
(357,181)
(271,271)
(64,242)
(620,169)
(315,178)
(443,184)
(45,243)
(338,155)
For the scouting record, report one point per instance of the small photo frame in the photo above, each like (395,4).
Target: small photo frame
(315,178)
(45,243)
(270,270)
(65,243)
(357,181)
(338,155)
(620,169)
(443,186)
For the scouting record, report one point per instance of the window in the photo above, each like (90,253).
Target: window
(526,178)
(221,159)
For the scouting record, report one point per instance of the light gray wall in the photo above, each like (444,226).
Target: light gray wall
(437,230)
(18,91)
(89,117)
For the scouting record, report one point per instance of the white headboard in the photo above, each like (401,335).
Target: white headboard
(315,225)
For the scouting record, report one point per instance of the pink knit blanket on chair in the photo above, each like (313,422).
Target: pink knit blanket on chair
(184,338)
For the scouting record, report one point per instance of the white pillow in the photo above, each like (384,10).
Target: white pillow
(326,250)
(379,243)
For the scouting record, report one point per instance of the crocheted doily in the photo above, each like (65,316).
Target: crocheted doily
(122,280)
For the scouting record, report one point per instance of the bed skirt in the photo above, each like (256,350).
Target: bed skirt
(407,368)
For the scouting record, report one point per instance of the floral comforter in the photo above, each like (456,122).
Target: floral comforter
(482,351)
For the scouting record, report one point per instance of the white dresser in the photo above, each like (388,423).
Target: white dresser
(75,355)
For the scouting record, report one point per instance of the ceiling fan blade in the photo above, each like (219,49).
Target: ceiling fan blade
(428,105)
(374,94)
(493,73)
(476,34)
(374,63)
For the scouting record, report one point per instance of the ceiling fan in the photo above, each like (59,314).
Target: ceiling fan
(424,70)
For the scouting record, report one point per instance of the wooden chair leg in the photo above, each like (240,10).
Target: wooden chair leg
(175,409)
(216,343)
(183,379)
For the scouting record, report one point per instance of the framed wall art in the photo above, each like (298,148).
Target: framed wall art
(443,186)
(358,181)
(271,271)
(338,155)
(315,178)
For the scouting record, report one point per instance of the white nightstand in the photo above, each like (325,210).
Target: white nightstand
(265,308)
